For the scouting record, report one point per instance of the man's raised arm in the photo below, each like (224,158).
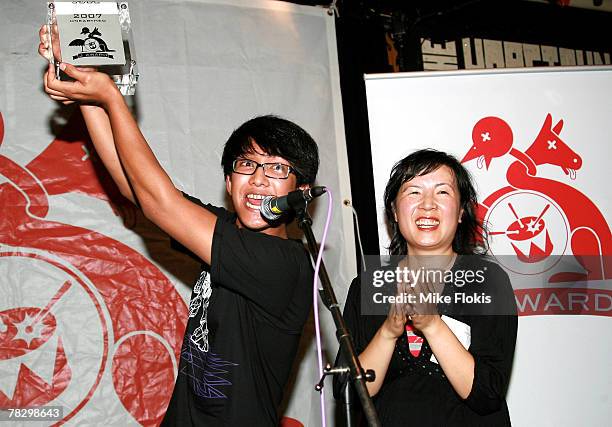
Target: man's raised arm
(101,133)
(97,121)
(153,189)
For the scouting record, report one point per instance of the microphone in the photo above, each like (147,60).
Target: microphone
(273,207)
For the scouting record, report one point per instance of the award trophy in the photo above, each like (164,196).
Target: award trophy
(93,34)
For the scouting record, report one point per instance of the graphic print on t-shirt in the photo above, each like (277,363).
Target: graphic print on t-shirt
(201,297)
(204,369)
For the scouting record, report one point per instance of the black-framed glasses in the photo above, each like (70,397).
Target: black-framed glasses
(271,170)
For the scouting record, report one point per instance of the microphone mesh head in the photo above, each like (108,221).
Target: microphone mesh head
(266,210)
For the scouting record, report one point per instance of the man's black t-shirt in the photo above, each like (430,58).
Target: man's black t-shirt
(246,315)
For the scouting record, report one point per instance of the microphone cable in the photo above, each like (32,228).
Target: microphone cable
(315,297)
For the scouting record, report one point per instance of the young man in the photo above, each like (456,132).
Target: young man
(253,296)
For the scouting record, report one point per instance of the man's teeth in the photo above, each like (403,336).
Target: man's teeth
(258,197)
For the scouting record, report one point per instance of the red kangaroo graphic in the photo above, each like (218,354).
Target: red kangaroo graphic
(142,302)
(591,241)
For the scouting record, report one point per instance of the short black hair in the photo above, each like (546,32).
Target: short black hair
(471,234)
(276,137)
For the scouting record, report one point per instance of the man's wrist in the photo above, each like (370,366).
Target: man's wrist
(113,98)
(89,107)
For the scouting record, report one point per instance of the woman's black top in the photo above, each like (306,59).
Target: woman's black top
(415,391)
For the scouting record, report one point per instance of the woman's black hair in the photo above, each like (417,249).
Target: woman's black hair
(276,137)
(470,237)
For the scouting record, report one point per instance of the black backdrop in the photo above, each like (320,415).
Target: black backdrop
(361,29)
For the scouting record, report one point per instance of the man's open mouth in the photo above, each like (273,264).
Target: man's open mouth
(253,201)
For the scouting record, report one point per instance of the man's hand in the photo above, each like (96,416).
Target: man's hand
(46,40)
(89,86)
(44,50)
(49,49)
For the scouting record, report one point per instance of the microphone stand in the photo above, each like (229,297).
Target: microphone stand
(356,373)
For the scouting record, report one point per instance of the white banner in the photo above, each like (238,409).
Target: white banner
(111,290)
(537,144)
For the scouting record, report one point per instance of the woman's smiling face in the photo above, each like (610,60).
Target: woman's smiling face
(428,211)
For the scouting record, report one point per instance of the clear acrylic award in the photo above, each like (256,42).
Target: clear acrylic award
(93,34)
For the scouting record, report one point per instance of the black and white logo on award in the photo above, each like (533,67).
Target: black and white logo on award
(92,45)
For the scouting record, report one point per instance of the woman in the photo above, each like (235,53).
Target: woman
(446,363)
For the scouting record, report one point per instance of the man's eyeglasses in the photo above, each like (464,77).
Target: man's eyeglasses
(271,170)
